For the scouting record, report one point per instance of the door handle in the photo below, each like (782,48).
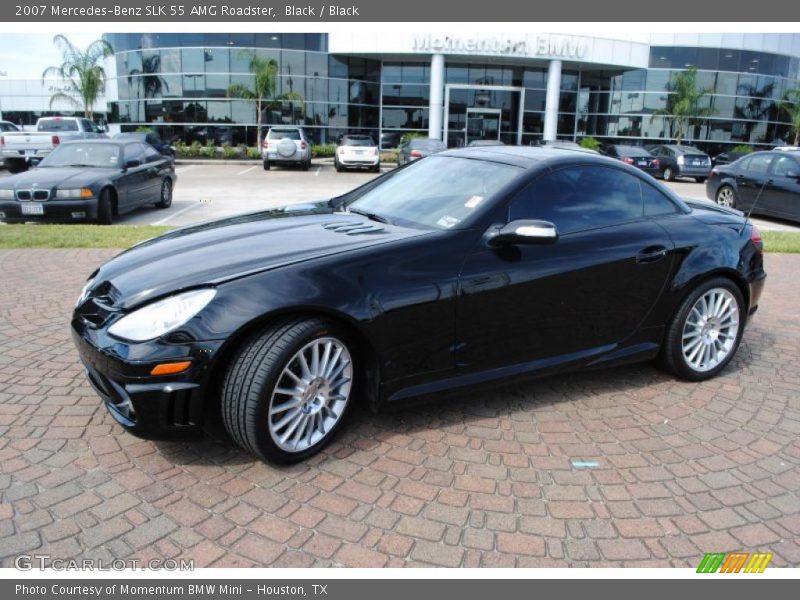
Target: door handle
(651,254)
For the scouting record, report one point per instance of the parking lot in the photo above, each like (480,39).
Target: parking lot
(625,467)
(209,191)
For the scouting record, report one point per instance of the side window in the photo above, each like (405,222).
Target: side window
(151,154)
(758,164)
(655,202)
(783,165)
(88,126)
(134,152)
(579,198)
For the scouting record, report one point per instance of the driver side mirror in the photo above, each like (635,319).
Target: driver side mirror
(132,164)
(523,231)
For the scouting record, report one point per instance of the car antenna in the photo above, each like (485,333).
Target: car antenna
(752,206)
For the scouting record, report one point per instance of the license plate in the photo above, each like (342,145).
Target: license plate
(30,152)
(32,209)
(642,163)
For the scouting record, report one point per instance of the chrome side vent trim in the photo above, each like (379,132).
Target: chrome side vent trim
(353,227)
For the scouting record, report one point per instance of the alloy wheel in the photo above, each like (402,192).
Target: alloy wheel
(725,197)
(710,330)
(310,394)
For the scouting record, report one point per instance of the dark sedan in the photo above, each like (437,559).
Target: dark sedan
(682,161)
(771,178)
(635,156)
(416,148)
(471,267)
(89,181)
(148,137)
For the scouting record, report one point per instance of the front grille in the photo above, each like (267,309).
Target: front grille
(40,195)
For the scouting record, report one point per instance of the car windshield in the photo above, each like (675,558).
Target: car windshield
(57,125)
(279,134)
(83,155)
(438,192)
(361,140)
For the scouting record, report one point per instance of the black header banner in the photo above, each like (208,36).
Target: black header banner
(316,11)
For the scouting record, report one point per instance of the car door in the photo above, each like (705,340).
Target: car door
(783,186)
(154,161)
(578,296)
(751,178)
(133,182)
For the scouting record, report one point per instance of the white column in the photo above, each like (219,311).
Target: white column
(552,99)
(436,103)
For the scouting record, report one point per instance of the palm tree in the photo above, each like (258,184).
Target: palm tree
(757,108)
(683,103)
(152,84)
(85,78)
(265,75)
(790,104)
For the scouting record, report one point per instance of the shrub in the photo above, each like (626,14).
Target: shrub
(590,143)
(229,152)
(742,149)
(194,149)
(410,135)
(323,150)
(144,129)
(253,152)
(209,150)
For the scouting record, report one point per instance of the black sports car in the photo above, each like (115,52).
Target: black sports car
(469,267)
(768,183)
(89,181)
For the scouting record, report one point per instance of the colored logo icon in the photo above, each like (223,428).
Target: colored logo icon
(735,562)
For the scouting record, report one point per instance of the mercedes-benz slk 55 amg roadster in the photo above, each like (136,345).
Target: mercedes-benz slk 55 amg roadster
(466,268)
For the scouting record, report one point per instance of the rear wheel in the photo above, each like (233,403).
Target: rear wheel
(726,196)
(266,165)
(376,168)
(288,389)
(705,332)
(307,165)
(165,200)
(105,208)
(700,179)
(668,174)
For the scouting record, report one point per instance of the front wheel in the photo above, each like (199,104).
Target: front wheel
(288,388)
(668,174)
(726,196)
(706,331)
(105,209)
(165,198)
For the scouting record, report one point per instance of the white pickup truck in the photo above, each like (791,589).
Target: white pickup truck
(22,149)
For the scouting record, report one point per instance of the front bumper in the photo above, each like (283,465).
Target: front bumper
(52,210)
(149,407)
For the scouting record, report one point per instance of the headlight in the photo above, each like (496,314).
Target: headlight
(7,194)
(681,160)
(158,318)
(84,292)
(73,193)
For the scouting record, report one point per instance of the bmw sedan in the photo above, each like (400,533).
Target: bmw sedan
(468,268)
(766,183)
(92,180)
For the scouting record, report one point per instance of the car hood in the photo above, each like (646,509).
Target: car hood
(219,251)
(49,177)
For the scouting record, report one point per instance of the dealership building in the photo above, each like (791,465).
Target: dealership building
(456,84)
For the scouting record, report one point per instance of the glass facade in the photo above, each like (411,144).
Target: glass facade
(178,83)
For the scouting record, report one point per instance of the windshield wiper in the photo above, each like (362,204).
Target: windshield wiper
(370,215)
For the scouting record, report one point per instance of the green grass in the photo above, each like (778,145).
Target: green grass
(781,241)
(34,235)
(122,236)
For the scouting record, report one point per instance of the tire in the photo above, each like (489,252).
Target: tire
(726,196)
(668,174)
(105,209)
(166,194)
(700,179)
(376,168)
(257,375)
(16,166)
(266,165)
(306,165)
(688,330)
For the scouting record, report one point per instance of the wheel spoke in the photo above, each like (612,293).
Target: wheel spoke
(277,409)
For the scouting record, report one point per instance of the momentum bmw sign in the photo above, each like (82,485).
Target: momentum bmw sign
(549,46)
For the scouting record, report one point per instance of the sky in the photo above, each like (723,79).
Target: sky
(28,54)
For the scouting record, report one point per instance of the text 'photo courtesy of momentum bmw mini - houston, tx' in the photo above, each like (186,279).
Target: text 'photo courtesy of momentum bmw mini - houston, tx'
(468,267)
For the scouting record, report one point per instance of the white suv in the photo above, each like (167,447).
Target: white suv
(357,151)
(286,145)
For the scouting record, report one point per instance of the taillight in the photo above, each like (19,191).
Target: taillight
(2,140)
(627,160)
(416,154)
(375,151)
(755,237)
(656,164)
(265,144)
(302,145)
(56,140)
(714,171)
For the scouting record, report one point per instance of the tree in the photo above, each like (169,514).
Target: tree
(265,75)
(683,103)
(82,72)
(790,104)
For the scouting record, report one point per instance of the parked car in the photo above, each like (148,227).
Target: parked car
(635,156)
(390,139)
(786,148)
(472,267)
(91,180)
(478,143)
(287,146)
(22,149)
(149,137)
(417,148)
(682,161)
(772,177)
(357,151)
(6,126)
(564,145)
(726,158)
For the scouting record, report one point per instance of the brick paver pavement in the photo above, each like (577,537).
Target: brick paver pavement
(481,480)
